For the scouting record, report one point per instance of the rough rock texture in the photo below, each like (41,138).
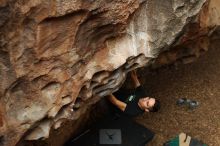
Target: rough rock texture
(58,58)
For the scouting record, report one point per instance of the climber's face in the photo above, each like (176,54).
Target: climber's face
(146,103)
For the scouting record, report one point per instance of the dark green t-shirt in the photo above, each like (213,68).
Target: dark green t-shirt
(131,98)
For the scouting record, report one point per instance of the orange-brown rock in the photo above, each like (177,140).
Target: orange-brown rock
(58,58)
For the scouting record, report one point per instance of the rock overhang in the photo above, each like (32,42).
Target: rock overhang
(56,52)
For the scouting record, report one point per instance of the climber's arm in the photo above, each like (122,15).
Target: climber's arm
(121,105)
(135,79)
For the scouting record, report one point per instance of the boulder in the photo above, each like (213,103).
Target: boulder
(58,58)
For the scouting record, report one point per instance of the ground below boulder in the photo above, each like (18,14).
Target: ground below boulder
(198,81)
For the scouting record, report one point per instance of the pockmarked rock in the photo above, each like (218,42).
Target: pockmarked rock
(58,58)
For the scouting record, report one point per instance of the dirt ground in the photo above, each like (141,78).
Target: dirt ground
(199,81)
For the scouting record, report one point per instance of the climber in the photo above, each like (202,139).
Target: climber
(134,102)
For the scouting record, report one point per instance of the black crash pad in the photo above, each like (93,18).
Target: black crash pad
(111,131)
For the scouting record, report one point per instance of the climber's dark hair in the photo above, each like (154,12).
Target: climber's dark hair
(156,106)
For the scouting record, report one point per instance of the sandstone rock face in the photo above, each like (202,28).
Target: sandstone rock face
(57,58)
